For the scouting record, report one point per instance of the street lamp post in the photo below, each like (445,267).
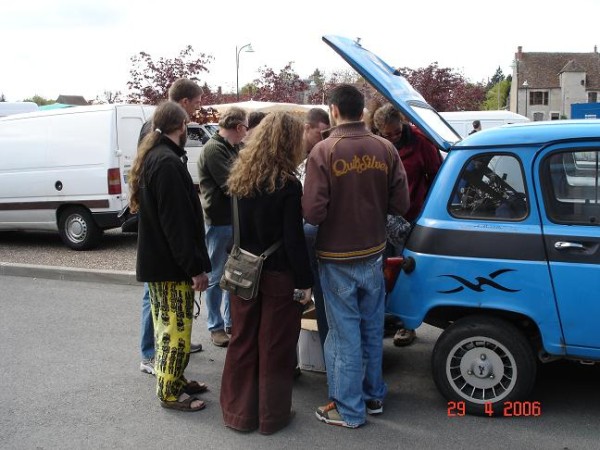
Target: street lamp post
(249,49)
(526,86)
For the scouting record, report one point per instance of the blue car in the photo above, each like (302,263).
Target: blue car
(505,256)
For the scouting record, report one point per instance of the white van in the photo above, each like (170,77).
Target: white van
(462,121)
(9,108)
(66,169)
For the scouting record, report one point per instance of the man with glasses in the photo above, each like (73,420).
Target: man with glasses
(213,169)
(421,160)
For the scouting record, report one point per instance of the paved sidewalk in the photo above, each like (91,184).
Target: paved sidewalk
(68,273)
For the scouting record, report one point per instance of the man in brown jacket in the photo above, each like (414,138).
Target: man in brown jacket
(353,180)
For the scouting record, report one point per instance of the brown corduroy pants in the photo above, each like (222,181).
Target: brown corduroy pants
(256,388)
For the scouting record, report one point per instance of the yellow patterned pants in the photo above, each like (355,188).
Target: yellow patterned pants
(172,310)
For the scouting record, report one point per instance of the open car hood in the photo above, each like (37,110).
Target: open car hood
(396,89)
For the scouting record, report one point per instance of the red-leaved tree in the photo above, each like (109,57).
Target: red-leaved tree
(150,80)
(285,86)
(444,89)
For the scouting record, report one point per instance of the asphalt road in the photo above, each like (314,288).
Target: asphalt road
(69,379)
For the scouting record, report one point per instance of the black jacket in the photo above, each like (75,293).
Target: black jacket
(171,245)
(266,218)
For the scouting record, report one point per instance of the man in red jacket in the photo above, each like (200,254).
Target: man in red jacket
(421,160)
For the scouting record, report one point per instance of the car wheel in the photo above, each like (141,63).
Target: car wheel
(483,362)
(77,228)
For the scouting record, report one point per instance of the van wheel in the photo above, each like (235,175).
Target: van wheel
(483,362)
(77,228)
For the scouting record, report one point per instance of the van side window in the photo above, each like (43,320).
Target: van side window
(572,192)
(490,187)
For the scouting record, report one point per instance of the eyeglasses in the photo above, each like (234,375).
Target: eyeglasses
(393,135)
(244,125)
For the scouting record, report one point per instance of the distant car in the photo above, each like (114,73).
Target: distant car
(505,256)
(198,135)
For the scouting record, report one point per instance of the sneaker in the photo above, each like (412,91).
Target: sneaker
(195,348)
(374,407)
(330,415)
(147,366)
(219,338)
(404,337)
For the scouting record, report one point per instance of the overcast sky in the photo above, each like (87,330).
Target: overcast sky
(83,47)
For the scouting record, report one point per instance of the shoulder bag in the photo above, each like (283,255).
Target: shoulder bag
(241,275)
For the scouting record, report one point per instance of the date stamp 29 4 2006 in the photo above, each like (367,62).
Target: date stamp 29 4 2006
(509,409)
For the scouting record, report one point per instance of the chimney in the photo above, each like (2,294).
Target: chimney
(595,49)
(519,52)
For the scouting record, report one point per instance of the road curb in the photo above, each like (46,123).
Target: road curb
(68,273)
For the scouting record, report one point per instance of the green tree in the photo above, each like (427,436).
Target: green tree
(496,78)
(40,101)
(247,91)
(150,80)
(497,96)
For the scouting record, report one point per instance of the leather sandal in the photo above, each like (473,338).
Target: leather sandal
(404,337)
(193,387)
(184,404)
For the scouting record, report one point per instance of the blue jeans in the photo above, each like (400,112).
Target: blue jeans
(147,334)
(218,238)
(354,301)
(310,234)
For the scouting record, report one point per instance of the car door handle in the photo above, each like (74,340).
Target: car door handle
(561,245)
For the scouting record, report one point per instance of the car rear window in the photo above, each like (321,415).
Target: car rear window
(490,187)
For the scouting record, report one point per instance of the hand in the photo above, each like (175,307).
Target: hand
(200,282)
(307,296)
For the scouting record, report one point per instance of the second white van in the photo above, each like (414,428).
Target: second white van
(462,121)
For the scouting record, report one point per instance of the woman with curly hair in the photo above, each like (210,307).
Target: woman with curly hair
(171,254)
(256,388)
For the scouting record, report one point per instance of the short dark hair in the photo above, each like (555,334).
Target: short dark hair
(184,88)
(315,116)
(349,100)
(476,124)
(254,118)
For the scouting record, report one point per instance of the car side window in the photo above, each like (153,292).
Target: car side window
(490,187)
(571,188)
(196,137)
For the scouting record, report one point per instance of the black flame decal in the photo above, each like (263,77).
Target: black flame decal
(481,281)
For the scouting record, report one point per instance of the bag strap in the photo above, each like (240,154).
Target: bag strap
(236,232)
(236,223)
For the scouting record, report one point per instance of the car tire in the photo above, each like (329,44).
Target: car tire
(484,362)
(77,228)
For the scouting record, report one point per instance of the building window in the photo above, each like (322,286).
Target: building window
(538,98)
(538,116)
(592,97)
(554,116)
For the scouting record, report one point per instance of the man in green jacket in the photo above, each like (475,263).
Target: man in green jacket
(213,170)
